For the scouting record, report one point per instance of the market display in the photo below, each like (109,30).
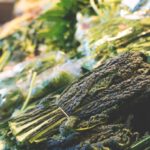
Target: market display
(77,77)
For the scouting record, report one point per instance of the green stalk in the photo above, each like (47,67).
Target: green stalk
(30,92)
(94,6)
(141,144)
(64,112)
(4,59)
(37,125)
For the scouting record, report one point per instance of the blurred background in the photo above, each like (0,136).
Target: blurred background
(17,13)
(14,8)
(26,10)
(45,45)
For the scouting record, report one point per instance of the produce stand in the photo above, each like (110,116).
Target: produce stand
(75,75)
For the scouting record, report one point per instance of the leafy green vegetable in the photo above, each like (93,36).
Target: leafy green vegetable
(60,23)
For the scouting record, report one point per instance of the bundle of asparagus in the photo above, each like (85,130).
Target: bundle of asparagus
(104,108)
(95,111)
(114,36)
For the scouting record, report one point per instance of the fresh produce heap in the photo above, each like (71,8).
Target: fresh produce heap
(92,112)
(69,95)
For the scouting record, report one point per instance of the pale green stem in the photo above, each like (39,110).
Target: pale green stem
(64,112)
(94,6)
(30,91)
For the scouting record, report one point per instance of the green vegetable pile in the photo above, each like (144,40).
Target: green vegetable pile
(62,93)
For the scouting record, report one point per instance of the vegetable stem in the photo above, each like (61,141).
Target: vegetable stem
(30,92)
(140,144)
(64,112)
(92,2)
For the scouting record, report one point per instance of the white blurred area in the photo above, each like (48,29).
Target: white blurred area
(136,9)
(137,4)
(130,3)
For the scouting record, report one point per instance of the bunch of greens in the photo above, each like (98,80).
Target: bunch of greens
(60,23)
(21,43)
